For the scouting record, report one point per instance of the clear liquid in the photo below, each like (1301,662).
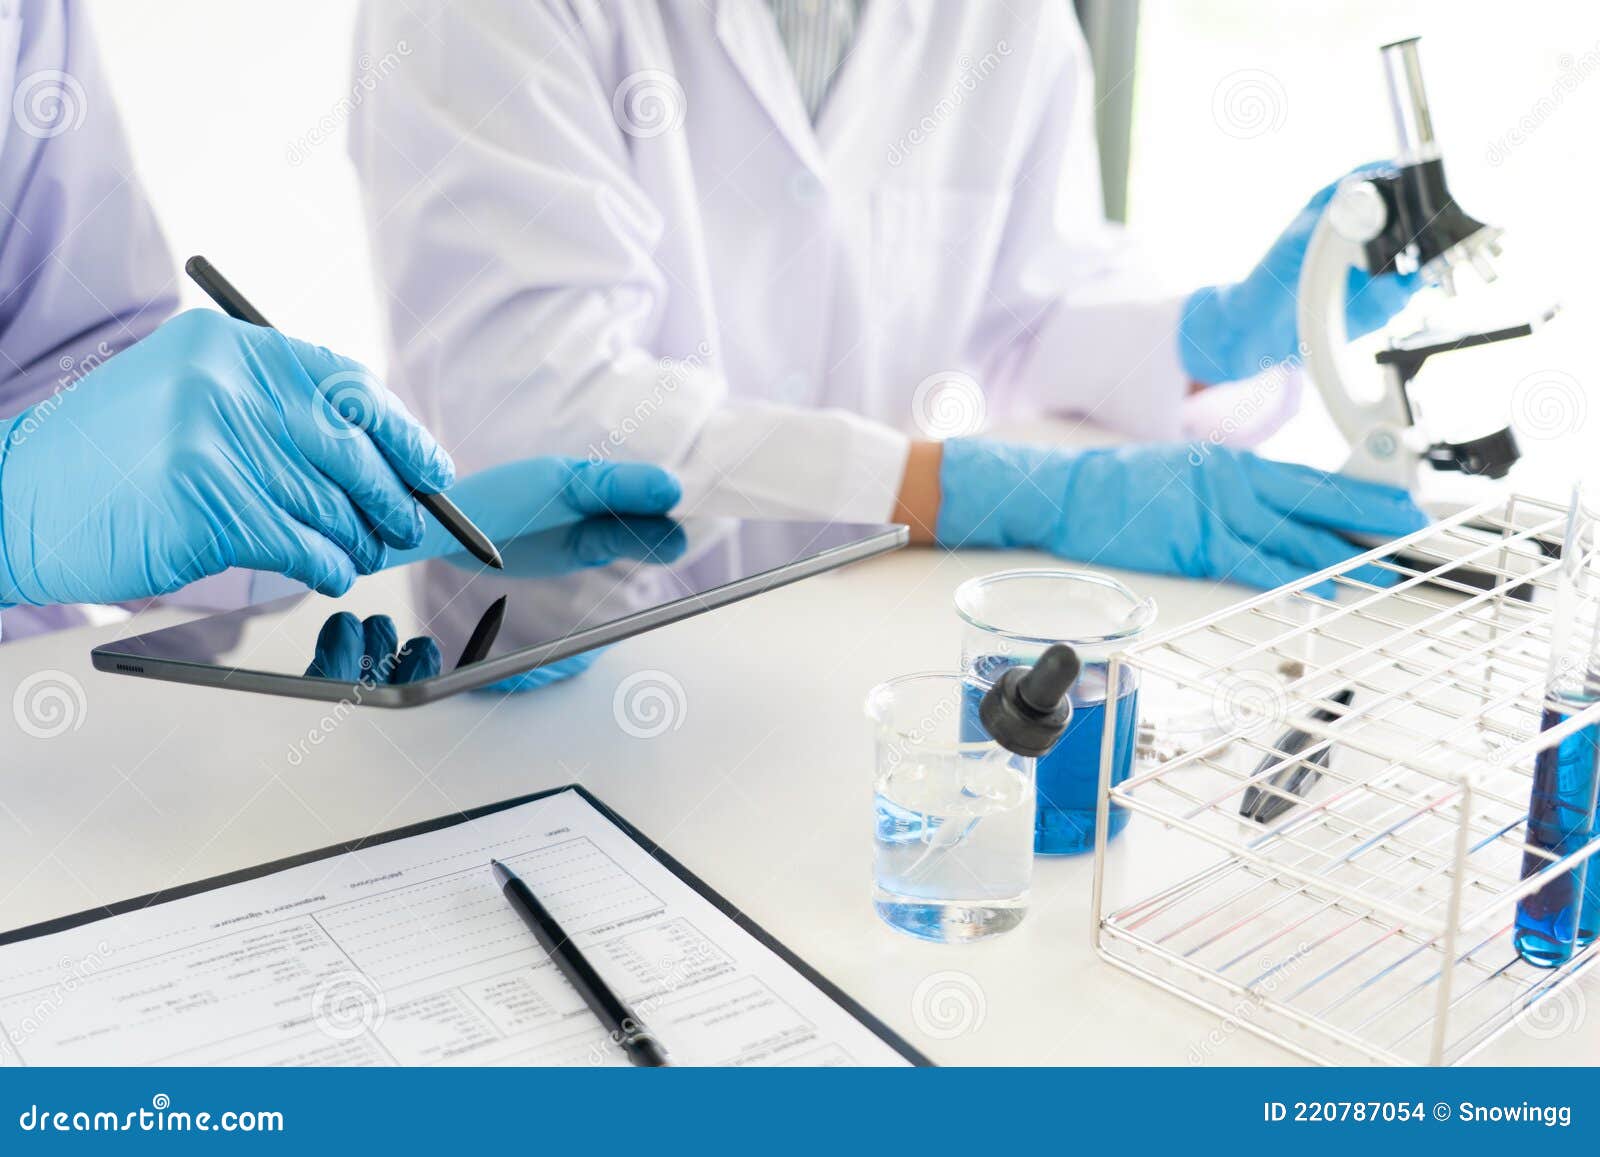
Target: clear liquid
(1563,915)
(1069,774)
(953,845)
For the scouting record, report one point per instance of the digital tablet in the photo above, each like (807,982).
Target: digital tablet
(426,630)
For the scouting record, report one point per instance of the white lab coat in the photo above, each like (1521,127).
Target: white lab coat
(708,281)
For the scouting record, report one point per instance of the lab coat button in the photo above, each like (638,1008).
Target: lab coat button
(804,188)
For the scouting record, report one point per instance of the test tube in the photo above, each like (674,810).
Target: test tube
(1564,915)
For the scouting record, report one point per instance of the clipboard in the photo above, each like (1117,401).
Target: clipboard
(724,906)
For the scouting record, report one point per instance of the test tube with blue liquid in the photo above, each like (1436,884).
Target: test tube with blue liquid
(1564,915)
(1009,619)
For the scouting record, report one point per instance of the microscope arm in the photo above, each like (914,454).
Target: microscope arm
(1377,429)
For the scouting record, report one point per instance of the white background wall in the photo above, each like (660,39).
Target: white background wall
(217,95)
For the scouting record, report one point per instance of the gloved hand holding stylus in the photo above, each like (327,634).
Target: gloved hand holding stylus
(1201,511)
(534,494)
(1234,331)
(210,444)
(542,513)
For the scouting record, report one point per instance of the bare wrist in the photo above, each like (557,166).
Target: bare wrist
(917,504)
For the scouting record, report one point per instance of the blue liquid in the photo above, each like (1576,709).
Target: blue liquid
(1563,914)
(1069,774)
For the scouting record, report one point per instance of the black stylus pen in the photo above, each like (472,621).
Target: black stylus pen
(621,1022)
(220,290)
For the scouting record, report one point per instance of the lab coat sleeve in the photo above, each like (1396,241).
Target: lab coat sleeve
(84,271)
(516,248)
(1078,321)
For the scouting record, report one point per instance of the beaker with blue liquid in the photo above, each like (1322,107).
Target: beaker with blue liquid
(1563,916)
(1009,618)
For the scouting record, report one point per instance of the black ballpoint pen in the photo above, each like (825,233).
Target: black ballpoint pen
(234,304)
(625,1027)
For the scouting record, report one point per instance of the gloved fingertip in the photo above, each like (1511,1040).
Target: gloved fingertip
(441,474)
(374,557)
(404,528)
(336,579)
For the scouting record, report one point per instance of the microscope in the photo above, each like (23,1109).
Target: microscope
(1403,219)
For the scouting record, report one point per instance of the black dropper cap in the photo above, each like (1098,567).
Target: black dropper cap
(1026,710)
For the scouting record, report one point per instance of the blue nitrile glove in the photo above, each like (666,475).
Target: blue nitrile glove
(1232,332)
(353,650)
(534,494)
(210,444)
(1196,510)
(591,543)
(538,494)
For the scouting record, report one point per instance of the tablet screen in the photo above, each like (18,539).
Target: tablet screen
(427,629)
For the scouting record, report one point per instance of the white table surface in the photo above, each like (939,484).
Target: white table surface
(762,789)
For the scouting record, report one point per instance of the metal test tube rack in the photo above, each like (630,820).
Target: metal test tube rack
(1371,923)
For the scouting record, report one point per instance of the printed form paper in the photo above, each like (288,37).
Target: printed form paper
(406,953)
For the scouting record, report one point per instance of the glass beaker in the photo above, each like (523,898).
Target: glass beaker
(954,810)
(1009,618)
